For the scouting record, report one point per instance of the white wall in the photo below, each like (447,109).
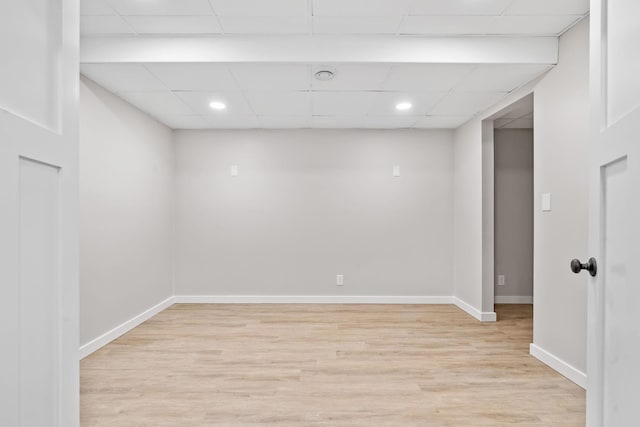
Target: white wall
(561,159)
(311,204)
(467,209)
(561,103)
(513,212)
(126,173)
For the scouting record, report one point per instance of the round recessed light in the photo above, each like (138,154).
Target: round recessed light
(404,106)
(325,75)
(216,105)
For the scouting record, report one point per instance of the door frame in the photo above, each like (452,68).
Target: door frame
(488,201)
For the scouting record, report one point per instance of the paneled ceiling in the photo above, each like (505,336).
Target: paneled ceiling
(270,94)
(518,115)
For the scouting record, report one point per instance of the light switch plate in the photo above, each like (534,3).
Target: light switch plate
(396,171)
(234,170)
(546,202)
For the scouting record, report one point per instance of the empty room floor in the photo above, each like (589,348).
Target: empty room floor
(342,365)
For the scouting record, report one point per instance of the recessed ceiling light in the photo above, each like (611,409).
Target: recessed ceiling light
(325,75)
(216,105)
(404,106)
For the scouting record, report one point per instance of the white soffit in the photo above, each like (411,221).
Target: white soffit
(321,49)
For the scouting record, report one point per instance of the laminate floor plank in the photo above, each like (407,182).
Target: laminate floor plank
(326,365)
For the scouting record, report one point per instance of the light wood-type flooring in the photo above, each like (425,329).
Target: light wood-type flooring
(326,365)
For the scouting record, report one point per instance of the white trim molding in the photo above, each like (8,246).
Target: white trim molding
(483,316)
(514,299)
(115,333)
(309,299)
(118,331)
(559,365)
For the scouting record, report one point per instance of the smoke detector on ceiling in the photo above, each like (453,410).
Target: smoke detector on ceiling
(325,75)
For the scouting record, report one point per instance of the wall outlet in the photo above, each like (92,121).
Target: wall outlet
(501,280)
(396,171)
(339,280)
(234,170)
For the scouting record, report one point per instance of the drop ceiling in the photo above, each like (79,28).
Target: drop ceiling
(518,115)
(271,92)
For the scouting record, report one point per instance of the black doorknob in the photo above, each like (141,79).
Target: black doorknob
(591,266)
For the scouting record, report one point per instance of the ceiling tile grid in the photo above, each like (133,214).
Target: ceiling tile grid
(281,95)
(147,25)
(390,17)
(288,95)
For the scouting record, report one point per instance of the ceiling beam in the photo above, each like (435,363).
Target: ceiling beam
(321,49)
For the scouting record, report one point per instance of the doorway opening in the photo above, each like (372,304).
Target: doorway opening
(513,210)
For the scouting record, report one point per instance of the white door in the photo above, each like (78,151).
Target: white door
(613,349)
(38,213)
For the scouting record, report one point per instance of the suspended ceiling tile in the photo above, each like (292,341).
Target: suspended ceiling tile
(356,24)
(199,102)
(251,77)
(101,25)
(162,7)
(194,76)
(500,77)
(174,24)
(360,7)
(385,103)
(521,123)
(122,77)
(446,25)
(284,122)
(95,7)
(339,122)
(263,8)
(280,103)
(265,25)
(487,25)
(551,25)
(232,122)
(157,103)
(502,122)
(466,103)
(184,122)
(342,103)
(426,78)
(359,77)
(391,122)
(458,7)
(441,122)
(518,109)
(548,7)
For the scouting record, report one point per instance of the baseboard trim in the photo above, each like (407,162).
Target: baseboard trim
(515,299)
(559,365)
(106,338)
(483,316)
(309,299)
(118,331)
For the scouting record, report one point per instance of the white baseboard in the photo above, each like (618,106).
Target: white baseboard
(483,316)
(559,365)
(309,299)
(515,299)
(118,331)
